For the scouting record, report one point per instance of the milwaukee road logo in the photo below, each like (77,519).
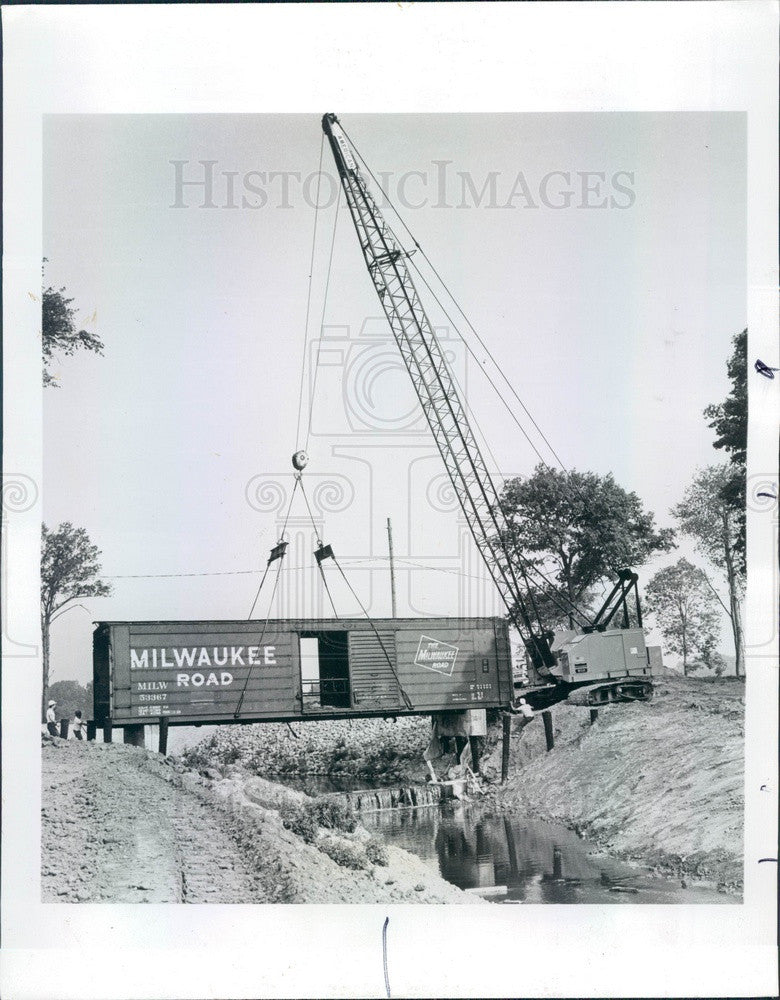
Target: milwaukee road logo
(436,655)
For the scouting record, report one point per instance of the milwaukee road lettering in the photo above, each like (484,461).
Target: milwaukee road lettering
(195,665)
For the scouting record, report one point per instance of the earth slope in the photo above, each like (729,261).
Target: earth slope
(661,782)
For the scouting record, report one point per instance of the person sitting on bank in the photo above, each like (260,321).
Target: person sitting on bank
(78,725)
(51,719)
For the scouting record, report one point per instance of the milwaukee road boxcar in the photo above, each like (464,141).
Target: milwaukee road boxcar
(223,671)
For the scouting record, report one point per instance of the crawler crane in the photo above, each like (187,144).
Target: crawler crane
(596,662)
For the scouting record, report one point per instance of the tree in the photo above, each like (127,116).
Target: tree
(70,569)
(710,520)
(70,695)
(58,331)
(684,606)
(729,420)
(578,528)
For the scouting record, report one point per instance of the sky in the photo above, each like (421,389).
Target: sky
(601,257)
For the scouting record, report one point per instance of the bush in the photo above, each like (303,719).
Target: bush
(299,820)
(333,814)
(344,853)
(202,755)
(376,852)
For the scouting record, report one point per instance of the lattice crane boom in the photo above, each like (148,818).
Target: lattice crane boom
(438,393)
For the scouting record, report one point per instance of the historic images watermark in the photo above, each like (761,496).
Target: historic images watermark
(210,184)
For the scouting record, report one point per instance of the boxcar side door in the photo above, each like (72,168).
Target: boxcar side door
(373,681)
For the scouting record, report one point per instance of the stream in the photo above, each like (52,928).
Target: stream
(511,859)
(506,858)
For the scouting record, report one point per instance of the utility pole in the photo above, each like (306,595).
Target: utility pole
(392,566)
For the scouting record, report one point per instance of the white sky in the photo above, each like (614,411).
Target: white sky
(614,326)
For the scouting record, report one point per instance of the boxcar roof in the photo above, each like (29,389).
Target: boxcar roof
(311,624)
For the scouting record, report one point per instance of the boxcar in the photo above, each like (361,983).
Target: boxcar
(286,670)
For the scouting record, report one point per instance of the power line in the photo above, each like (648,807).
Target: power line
(349,561)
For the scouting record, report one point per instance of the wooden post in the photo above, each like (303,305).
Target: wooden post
(107,730)
(476,752)
(133,736)
(507,729)
(64,728)
(91,729)
(392,567)
(163,747)
(594,714)
(548,730)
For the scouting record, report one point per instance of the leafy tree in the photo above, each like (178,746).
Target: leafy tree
(578,528)
(69,696)
(59,334)
(684,606)
(70,569)
(729,420)
(710,520)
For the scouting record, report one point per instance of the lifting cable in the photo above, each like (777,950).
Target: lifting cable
(465,317)
(527,566)
(262,634)
(322,317)
(323,551)
(277,555)
(498,392)
(308,296)
(278,552)
(326,552)
(404,695)
(275,551)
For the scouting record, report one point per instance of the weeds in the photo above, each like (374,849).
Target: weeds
(376,852)
(344,853)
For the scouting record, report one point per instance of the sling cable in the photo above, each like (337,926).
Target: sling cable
(300,460)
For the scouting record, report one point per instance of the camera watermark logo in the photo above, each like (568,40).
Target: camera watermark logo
(381,457)
(365,371)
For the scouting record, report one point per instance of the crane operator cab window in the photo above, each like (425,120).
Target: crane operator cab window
(325,670)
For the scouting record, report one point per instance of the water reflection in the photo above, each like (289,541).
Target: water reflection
(514,859)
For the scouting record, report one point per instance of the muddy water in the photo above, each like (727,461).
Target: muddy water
(510,859)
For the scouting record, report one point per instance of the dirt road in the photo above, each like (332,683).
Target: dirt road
(123,825)
(119,827)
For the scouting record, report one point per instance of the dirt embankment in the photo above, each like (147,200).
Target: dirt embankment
(121,824)
(660,783)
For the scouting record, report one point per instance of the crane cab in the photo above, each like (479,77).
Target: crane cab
(616,660)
